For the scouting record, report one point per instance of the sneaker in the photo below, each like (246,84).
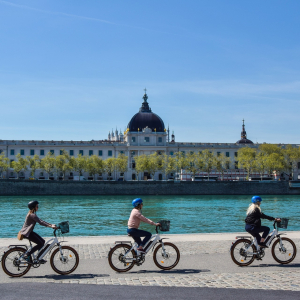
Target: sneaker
(263,246)
(42,261)
(28,259)
(140,251)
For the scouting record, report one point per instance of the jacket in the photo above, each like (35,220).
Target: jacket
(254,218)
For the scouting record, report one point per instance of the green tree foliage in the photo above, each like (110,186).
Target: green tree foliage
(222,162)
(191,163)
(110,166)
(153,163)
(246,159)
(292,157)
(34,164)
(209,161)
(47,164)
(20,165)
(122,163)
(3,163)
(260,164)
(94,165)
(80,164)
(140,164)
(168,164)
(64,163)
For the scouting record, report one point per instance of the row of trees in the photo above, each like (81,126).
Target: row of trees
(265,160)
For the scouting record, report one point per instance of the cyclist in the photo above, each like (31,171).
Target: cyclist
(28,233)
(134,222)
(253,222)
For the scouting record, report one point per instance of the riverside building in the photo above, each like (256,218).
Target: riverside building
(145,134)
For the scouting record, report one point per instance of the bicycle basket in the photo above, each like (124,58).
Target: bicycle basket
(64,227)
(164,225)
(283,224)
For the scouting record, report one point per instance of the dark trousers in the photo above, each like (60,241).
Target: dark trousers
(254,231)
(38,240)
(137,234)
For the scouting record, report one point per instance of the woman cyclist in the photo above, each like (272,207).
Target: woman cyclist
(134,222)
(253,222)
(28,233)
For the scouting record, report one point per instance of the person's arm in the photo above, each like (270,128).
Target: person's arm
(263,216)
(144,219)
(41,222)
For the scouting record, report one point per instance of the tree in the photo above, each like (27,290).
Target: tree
(109,166)
(152,163)
(3,163)
(94,165)
(246,159)
(47,163)
(260,164)
(62,163)
(168,164)
(180,161)
(20,165)
(292,156)
(192,164)
(80,164)
(140,164)
(209,161)
(275,163)
(222,162)
(122,163)
(34,164)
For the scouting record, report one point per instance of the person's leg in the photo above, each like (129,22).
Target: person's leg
(265,230)
(254,232)
(38,240)
(147,236)
(134,233)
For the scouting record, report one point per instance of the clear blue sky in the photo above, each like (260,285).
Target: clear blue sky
(72,70)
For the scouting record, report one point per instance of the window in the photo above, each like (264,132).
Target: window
(22,152)
(81,152)
(147,139)
(298,163)
(171,153)
(121,152)
(31,151)
(227,165)
(12,151)
(71,152)
(183,153)
(100,153)
(218,153)
(1,151)
(160,139)
(236,165)
(227,154)
(42,152)
(159,152)
(132,153)
(235,154)
(61,152)
(133,139)
(191,152)
(52,152)
(91,152)
(11,165)
(109,152)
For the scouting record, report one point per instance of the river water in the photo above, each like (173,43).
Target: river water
(108,215)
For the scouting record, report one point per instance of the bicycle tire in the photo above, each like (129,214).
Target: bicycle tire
(241,261)
(156,261)
(64,260)
(17,255)
(111,254)
(290,256)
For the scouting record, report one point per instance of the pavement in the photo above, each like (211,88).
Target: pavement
(205,264)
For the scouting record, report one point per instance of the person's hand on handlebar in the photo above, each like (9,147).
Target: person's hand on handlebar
(277,220)
(54,226)
(157,224)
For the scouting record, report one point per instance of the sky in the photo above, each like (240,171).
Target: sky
(73,70)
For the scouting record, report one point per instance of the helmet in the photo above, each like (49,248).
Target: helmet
(136,202)
(256,199)
(32,204)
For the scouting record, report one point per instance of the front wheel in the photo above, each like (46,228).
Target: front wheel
(64,260)
(285,252)
(13,264)
(121,258)
(242,252)
(166,256)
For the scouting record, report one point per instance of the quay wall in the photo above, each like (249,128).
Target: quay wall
(39,187)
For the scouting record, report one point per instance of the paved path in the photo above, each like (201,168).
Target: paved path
(205,262)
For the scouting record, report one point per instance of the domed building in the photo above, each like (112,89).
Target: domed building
(244,139)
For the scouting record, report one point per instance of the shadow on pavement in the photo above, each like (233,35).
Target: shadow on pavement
(72,276)
(181,271)
(276,265)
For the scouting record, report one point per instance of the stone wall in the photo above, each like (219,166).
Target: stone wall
(39,187)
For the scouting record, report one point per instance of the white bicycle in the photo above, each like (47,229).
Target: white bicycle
(246,249)
(124,255)
(64,259)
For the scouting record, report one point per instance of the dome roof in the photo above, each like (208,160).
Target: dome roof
(146,118)
(244,139)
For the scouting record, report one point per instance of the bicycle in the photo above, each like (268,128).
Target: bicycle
(125,255)
(64,259)
(244,251)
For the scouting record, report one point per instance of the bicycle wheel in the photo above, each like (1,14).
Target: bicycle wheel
(117,259)
(285,254)
(241,252)
(166,258)
(12,265)
(66,262)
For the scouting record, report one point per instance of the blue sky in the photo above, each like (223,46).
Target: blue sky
(73,70)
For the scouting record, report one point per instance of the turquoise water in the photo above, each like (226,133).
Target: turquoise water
(108,215)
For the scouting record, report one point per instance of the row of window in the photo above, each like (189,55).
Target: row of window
(218,153)
(146,139)
(71,152)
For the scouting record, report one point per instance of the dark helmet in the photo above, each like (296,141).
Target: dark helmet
(136,202)
(32,204)
(256,199)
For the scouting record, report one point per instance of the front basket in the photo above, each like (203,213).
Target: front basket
(164,225)
(64,227)
(283,224)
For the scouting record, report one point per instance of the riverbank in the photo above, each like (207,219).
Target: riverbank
(49,187)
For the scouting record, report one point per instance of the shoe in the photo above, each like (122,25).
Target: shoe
(140,251)
(42,261)
(28,259)
(263,246)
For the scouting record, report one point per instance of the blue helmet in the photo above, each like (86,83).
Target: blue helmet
(256,199)
(136,202)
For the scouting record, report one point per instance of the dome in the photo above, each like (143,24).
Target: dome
(244,139)
(146,118)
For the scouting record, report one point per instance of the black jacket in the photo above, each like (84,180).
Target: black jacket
(255,216)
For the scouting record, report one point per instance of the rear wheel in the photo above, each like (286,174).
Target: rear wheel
(166,257)
(64,260)
(285,253)
(12,263)
(242,253)
(121,258)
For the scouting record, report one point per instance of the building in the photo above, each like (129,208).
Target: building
(145,134)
